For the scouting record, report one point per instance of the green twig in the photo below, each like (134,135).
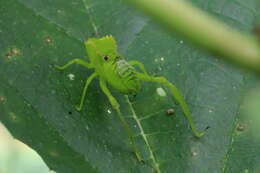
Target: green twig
(204,30)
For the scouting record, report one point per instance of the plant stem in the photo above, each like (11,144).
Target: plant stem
(204,30)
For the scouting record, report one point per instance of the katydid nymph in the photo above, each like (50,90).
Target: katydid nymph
(111,68)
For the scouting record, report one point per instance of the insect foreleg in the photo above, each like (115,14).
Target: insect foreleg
(139,64)
(177,95)
(116,106)
(88,81)
(74,61)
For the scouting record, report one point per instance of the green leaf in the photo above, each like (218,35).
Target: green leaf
(37,101)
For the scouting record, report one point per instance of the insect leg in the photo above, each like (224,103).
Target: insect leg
(88,81)
(116,106)
(139,64)
(74,61)
(177,95)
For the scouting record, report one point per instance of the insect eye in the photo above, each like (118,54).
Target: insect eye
(105,58)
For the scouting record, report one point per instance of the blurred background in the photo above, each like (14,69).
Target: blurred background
(16,157)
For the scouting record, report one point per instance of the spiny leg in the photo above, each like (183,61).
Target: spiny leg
(176,93)
(139,64)
(74,61)
(116,106)
(88,81)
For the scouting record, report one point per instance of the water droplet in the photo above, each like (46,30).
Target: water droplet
(71,76)
(109,111)
(161,92)
(48,40)
(181,42)
(86,127)
(194,153)
(162,58)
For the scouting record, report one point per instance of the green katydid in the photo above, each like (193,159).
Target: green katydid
(110,67)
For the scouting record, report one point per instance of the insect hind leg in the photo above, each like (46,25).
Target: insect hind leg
(139,64)
(177,95)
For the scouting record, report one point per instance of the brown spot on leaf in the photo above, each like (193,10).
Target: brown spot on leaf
(16,51)
(169,111)
(12,53)
(240,127)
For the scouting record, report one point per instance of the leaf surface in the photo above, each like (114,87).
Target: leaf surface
(37,101)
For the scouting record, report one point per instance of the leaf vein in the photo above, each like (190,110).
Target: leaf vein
(152,156)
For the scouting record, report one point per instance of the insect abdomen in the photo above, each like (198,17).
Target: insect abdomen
(127,75)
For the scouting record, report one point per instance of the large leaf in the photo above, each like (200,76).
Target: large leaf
(37,101)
